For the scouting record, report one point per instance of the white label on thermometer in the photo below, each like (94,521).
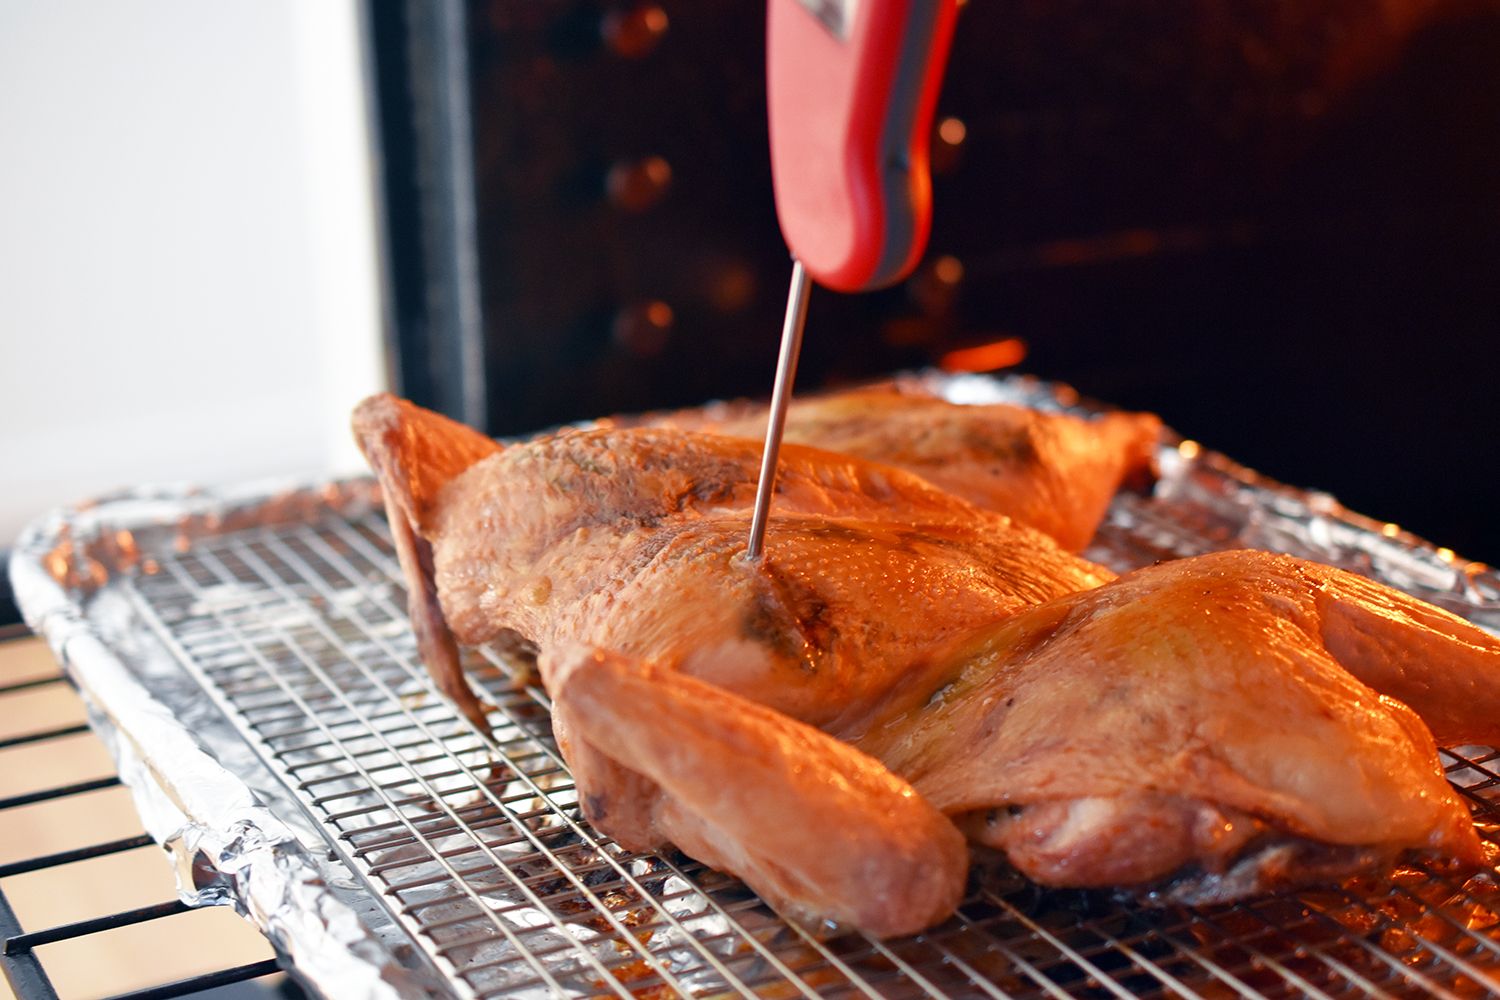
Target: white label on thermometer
(836,15)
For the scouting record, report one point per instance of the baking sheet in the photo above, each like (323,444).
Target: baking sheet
(234,835)
(182,615)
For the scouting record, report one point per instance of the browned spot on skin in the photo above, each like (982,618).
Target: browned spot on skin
(790,617)
(903,540)
(906,540)
(766,622)
(600,501)
(596,808)
(707,491)
(653,545)
(910,539)
(1012,449)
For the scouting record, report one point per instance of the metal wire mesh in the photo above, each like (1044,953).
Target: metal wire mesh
(477,846)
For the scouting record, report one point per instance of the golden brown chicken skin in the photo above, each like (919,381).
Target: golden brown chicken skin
(633,541)
(752,791)
(1444,668)
(1052,471)
(1190,719)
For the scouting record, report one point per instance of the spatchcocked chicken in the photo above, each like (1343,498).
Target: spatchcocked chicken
(1052,471)
(902,663)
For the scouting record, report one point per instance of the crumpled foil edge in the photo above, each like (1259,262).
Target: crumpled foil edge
(225,847)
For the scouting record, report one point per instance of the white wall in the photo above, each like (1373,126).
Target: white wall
(187,269)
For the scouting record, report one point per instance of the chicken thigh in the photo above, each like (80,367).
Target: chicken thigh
(1226,750)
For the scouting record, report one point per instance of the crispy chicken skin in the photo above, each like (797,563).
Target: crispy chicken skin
(633,541)
(415,453)
(1052,471)
(1191,728)
(749,790)
(1445,669)
(1219,718)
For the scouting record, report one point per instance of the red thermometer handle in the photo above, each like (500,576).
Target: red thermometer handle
(851,86)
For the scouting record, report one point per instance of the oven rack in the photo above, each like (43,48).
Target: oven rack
(24,968)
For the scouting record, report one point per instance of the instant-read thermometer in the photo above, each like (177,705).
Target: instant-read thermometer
(851,87)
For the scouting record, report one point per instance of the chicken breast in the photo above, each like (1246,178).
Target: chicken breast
(633,541)
(1052,471)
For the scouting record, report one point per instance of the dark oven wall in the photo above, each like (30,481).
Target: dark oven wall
(1272,221)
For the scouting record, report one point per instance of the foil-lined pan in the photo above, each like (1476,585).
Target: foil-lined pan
(233,835)
(239,834)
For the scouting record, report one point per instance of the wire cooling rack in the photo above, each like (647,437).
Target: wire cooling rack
(475,844)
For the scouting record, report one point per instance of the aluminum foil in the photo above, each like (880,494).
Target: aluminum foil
(232,834)
(237,836)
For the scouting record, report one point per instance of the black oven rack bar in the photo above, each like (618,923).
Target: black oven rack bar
(23,967)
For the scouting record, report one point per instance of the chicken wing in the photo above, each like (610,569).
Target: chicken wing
(414,454)
(1225,746)
(1052,471)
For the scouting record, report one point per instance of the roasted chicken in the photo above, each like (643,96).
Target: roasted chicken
(1186,729)
(1052,471)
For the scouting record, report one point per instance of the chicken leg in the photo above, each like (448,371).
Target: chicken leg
(1225,743)
(753,792)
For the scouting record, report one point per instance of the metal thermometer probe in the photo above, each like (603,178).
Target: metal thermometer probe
(781,397)
(850,86)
